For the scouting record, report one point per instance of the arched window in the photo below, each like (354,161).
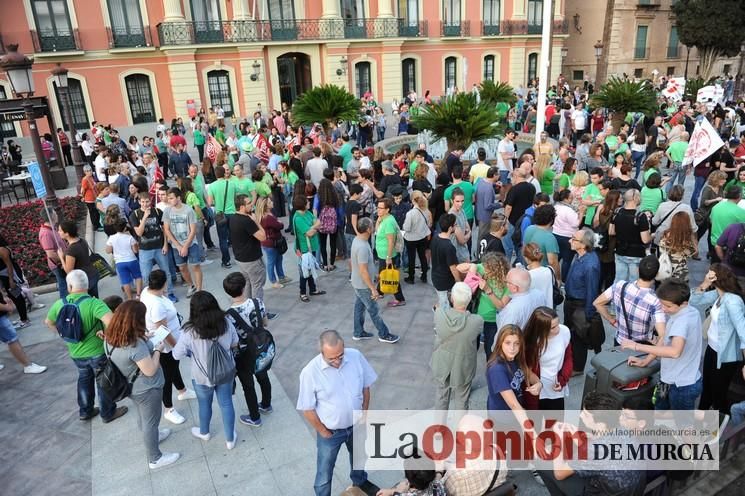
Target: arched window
(218,85)
(532,66)
(489,68)
(362,79)
(451,68)
(408,75)
(77,104)
(140,98)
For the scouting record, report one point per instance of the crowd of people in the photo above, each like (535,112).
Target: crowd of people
(528,253)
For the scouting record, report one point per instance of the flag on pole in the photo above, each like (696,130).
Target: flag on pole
(703,142)
(213,148)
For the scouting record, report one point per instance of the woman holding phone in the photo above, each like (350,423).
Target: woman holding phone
(138,360)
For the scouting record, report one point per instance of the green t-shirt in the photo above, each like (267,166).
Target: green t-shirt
(345,152)
(193,201)
(622,149)
(198,184)
(723,214)
(243,186)
(545,240)
(468,190)
(198,137)
(263,190)
(547,182)
(217,191)
(593,193)
(651,199)
(648,173)
(220,137)
(677,151)
(302,222)
(412,167)
(735,182)
(486,308)
(91,312)
(612,142)
(289,178)
(387,226)
(565,180)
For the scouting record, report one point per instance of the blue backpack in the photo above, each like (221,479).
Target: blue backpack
(69,321)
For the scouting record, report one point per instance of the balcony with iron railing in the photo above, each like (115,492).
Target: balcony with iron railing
(55,41)
(455,29)
(673,52)
(490,28)
(129,37)
(509,28)
(641,53)
(240,31)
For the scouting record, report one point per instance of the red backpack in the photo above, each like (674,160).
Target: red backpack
(328,220)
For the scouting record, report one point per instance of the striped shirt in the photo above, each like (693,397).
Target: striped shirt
(643,311)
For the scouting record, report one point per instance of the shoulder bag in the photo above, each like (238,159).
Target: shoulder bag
(653,227)
(220,217)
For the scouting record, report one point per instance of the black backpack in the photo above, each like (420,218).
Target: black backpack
(254,343)
(112,382)
(517,234)
(69,322)
(737,256)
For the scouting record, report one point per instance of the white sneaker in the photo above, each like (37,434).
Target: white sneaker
(206,262)
(174,417)
(2,366)
(191,291)
(188,395)
(163,434)
(37,306)
(231,444)
(34,369)
(197,434)
(164,460)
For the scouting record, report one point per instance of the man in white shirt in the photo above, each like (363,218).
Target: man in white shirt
(332,385)
(505,154)
(316,166)
(100,164)
(579,123)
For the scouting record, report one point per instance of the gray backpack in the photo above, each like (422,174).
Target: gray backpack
(220,366)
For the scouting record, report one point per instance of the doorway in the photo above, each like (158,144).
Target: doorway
(293,71)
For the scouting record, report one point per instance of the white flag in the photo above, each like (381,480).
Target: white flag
(703,142)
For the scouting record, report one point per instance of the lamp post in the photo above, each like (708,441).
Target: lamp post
(598,54)
(60,77)
(20,74)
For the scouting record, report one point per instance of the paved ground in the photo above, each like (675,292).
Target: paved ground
(47,450)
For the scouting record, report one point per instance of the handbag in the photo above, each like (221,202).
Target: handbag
(666,266)
(473,281)
(220,217)
(280,244)
(101,265)
(389,280)
(558,296)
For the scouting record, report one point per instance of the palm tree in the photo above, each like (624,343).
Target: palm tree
(326,104)
(460,120)
(497,92)
(621,97)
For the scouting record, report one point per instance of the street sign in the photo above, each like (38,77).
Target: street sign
(12,116)
(37,180)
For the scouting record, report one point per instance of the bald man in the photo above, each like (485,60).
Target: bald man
(524,301)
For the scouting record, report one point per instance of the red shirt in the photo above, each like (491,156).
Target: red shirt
(175,140)
(63,141)
(740,151)
(50,240)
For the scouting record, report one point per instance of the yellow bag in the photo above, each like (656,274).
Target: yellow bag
(389,280)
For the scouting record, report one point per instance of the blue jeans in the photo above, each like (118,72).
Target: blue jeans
(490,333)
(328,450)
(738,413)
(87,368)
(59,275)
(698,185)
(273,264)
(680,398)
(150,257)
(627,268)
(565,254)
(224,394)
(210,222)
(504,177)
(678,176)
(638,159)
(223,234)
(509,246)
(363,302)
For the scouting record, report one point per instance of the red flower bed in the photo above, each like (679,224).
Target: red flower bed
(19,225)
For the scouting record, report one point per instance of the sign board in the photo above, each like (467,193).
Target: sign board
(12,116)
(37,180)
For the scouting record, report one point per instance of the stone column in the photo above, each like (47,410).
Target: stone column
(172,11)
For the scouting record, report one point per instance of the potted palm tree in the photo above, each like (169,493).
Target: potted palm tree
(460,120)
(621,96)
(326,104)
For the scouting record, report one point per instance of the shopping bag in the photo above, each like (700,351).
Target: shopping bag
(389,279)
(102,266)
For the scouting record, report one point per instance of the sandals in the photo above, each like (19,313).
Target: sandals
(318,293)
(304,298)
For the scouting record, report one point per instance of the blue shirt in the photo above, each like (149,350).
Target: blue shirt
(503,376)
(485,201)
(583,280)
(527,220)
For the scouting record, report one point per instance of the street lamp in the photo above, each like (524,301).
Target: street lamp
(20,74)
(598,54)
(60,77)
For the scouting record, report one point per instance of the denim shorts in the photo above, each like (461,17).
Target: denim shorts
(349,238)
(194,257)
(7,331)
(128,271)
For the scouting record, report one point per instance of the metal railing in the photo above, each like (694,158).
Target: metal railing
(488,29)
(524,27)
(641,53)
(127,38)
(455,29)
(55,41)
(197,32)
(673,52)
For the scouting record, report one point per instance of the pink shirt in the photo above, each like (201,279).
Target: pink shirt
(49,239)
(566,222)
(279,123)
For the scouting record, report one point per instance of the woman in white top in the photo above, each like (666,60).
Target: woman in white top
(162,312)
(124,247)
(541,278)
(416,233)
(87,148)
(566,224)
(548,353)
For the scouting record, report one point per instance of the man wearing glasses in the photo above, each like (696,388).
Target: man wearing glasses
(332,386)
